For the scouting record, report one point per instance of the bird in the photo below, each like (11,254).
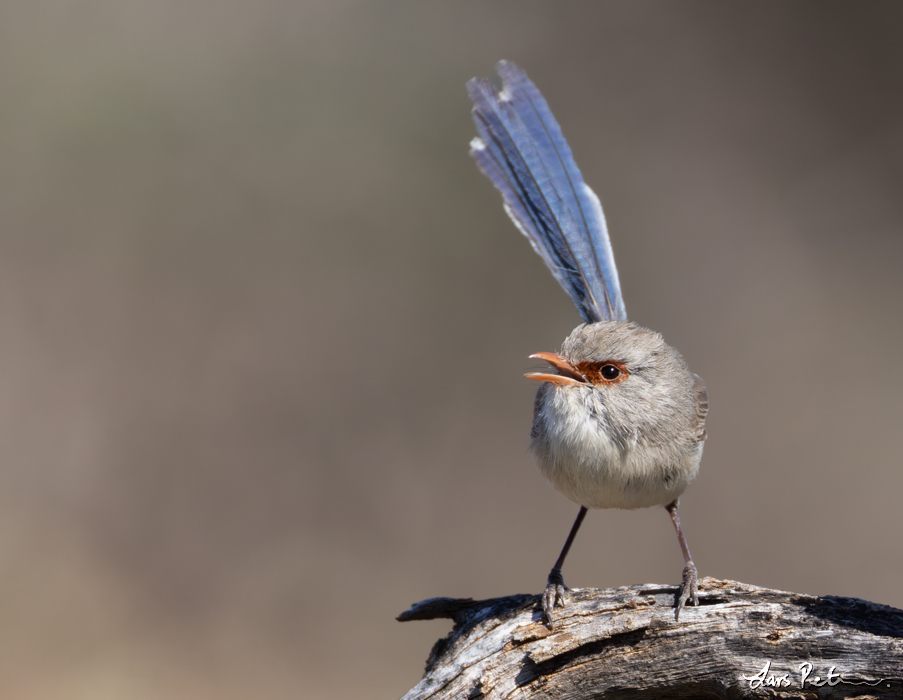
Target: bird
(619,418)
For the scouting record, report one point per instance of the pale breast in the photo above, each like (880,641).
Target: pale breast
(597,467)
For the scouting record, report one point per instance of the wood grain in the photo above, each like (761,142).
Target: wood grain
(741,641)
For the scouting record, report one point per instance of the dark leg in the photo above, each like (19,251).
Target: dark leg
(688,588)
(556,592)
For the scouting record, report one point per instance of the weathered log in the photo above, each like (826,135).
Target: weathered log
(741,641)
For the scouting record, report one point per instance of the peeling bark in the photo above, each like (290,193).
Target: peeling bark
(741,641)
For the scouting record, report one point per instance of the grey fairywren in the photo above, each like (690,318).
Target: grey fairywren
(621,421)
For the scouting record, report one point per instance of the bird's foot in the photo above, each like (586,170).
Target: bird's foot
(688,591)
(555,595)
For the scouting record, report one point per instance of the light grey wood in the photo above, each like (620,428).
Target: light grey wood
(741,641)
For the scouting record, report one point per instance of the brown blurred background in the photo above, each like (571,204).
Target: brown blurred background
(263,324)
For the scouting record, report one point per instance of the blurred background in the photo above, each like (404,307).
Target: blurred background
(263,324)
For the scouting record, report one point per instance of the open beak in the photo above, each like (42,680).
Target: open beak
(567,373)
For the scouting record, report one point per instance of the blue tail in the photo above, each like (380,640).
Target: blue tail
(521,149)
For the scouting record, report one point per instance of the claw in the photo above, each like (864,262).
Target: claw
(555,596)
(689,590)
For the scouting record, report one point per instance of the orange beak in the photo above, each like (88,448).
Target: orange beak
(567,373)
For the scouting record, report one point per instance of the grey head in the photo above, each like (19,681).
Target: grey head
(622,422)
(643,385)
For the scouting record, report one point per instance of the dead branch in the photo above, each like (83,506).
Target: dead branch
(742,641)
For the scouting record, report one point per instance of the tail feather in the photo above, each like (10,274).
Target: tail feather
(520,148)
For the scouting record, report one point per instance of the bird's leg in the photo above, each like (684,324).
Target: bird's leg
(688,591)
(556,593)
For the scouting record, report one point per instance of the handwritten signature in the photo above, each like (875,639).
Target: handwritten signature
(767,679)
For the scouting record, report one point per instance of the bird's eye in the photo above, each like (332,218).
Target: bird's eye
(604,372)
(610,372)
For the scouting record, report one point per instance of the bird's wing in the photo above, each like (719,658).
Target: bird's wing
(702,407)
(521,149)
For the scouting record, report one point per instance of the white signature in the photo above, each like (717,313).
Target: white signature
(766,679)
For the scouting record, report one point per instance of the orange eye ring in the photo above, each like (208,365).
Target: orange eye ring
(604,372)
